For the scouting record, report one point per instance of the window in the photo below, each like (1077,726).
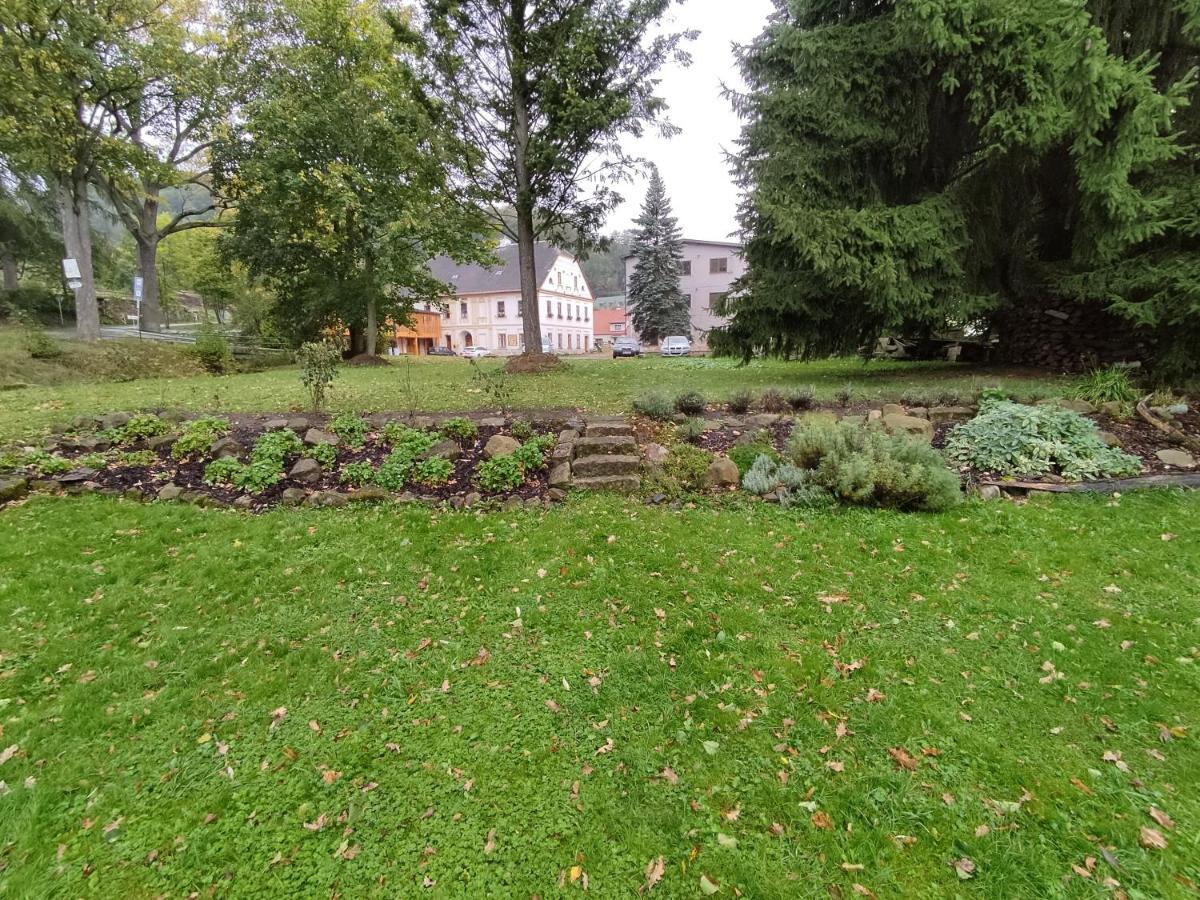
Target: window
(587,314)
(500,309)
(560,279)
(718,265)
(518,309)
(714,297)
(570,313)
(462,311)
(685,267)
(560,309)
(576,282)
(560,340)
(512,340)
(616,326)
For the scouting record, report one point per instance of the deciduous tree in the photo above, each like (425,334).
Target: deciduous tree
(545,91)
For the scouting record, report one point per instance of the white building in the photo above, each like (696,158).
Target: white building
(485,309)
(708,271)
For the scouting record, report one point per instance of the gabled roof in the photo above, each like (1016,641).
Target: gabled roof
(603,318)
(732,245)
(502,279)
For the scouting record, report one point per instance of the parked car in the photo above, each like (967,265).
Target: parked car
(676,345)
(441,351)
(475,352)
(626,346)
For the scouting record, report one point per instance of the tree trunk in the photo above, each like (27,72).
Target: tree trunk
(77,240)
(357,340)
(9,262)
(531,322)
(147,238)
(151,312)
(372,328)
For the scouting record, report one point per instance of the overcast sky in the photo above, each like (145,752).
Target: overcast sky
(693,163)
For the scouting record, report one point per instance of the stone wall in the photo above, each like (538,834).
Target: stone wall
(1068,336)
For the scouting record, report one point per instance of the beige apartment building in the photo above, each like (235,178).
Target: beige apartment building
(485,308)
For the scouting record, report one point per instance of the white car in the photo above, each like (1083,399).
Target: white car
(475,352)
(676,346)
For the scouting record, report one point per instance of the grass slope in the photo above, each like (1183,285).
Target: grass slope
(599,385)
(478,704)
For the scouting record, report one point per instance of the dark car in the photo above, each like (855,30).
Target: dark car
(441,351)
(626,346)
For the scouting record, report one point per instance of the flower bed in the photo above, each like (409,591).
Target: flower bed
(252,461)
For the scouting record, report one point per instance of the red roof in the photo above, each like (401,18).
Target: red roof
(604,319)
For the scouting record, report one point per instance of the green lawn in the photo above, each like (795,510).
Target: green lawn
(600,385)
(476,704)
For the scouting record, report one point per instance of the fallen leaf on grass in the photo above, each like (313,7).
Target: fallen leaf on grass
(874,696)
(862,890)
(8,753)
(902,758)
(1083,787)
(552,706)
(1151,839)
(1162,818)
(669,775)
(1114,757)
(964,868)
(278,716)
(820,819)
(835,765)
(707,886)
(654,872)
(606,747)
(490,846)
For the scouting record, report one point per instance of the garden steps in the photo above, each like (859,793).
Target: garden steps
(613,444)
(606,457)
(607,464)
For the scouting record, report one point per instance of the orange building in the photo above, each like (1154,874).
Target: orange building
(415,340)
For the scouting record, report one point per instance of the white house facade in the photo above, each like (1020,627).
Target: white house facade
(708,271)
(485,309)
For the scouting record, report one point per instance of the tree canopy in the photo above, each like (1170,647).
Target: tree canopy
(340,170)
(657,307)
(913,165)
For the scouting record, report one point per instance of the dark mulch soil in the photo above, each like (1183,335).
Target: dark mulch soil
(245,429)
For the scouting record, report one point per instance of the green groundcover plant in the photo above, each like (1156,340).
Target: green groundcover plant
(856,466)
(1013,439)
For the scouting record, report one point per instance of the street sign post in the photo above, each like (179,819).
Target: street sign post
(138,283)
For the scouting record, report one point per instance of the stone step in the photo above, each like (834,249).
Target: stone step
(595,446)
(606,464)
(625,484)
(608,428)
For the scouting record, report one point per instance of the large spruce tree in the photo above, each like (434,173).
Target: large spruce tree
(909,165)
(656,305)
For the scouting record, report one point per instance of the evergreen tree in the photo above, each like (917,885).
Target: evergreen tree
(656,305)
(910,165)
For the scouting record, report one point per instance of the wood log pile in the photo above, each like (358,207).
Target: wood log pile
(1068,337)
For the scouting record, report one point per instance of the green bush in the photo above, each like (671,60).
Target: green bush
(198,435)
(1102,386)
(211,350)
(275,446)
(522,430)
(744,455)
(991,395)
(532,454)
(844,395)
(319,361)
(684,472)
(350,429)
(1013,439)
(395,470)
(434,471)
(791,485)
(357,473)
(139,427)
(690,429)
(800,399)
(100,460)
(868,467)
(460,429)
(504,473)
(223,471)
(253,477)
(136,459)
(773,400)
(690,403)
(325,454)
(38,344)
(41,463)
(654,406)
(740,401)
